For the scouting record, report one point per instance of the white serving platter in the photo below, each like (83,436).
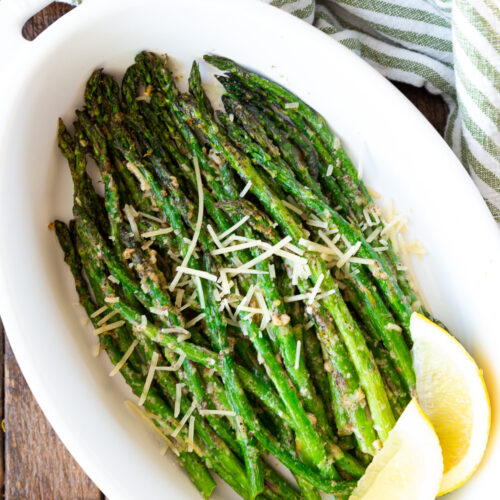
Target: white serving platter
(406,161)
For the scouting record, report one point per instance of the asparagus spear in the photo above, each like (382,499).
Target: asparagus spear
(352,336)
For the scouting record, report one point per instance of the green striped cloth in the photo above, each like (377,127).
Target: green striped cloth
(451,47)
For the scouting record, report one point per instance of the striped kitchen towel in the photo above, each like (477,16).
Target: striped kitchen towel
(450,47)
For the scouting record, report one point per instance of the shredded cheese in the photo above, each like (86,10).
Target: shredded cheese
(130,212)
(197,229)
(108,328)
(411,272)
(245,190)
(240,270)
(233,228)
(113,279)
(272,271)
(246,299)
(350,253)
(373,235)
(265,255)
(157,232)
(317,223)
(297,355)
(292,207)
(373,193)
(178,397)
(331,244)
(360,260)
(326,294)
(214,237)
(124,359)
(196,272)
(399,220)
(226,413)
(316,247)
(195,320)
(291,105)
(296,298)
(315,289)
(148,421)
(329,170)
(112,300)
(105,318)
(172,368)
(235,248)
(393,326)
(149,378)
(201,295)
(368,219)
(184,419)
(178,297)
(158,311)
(152,217)
(191,433)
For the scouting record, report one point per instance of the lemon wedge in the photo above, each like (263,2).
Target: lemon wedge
(452,393)
(410,464)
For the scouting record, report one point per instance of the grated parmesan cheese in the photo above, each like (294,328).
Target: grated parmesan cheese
(373,235)
(201,295)
(214,237)
(350,253)
(151,217)
(113,279)
(197,229)
(329,170)
(130,213)
(157,232)
(326,294)
(196,272)
(108,328)
(272,271)
(124,359)
(191,433)
(226,413)
(184,419)
(195,320)
(291,105)
(317,223)
(297,355)
(158,311)
(315,289)
(112,300)
(245,190)
(178,397)
(178,297)
(105,318)
(148,422)
(233,228)
(292,207)
(149,378)
(235,248)
(296,298)
(393,326)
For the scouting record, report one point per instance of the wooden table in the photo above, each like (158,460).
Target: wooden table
(34,464)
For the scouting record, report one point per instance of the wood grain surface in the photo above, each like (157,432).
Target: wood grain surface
(34,464)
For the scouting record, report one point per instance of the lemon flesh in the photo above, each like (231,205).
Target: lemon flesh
(410,464)
(452,393)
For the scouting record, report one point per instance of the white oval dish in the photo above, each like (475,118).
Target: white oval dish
(407,161)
